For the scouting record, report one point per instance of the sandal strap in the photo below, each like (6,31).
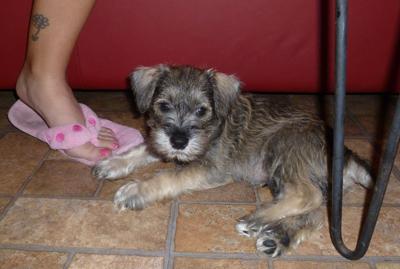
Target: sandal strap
(67,137)
(73,135)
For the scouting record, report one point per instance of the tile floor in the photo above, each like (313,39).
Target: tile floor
(53,214)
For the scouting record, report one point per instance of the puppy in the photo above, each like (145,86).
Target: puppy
(199,119)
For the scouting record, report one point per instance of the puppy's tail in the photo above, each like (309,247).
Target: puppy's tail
(356,171)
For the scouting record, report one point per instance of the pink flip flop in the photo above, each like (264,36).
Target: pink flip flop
(73,135)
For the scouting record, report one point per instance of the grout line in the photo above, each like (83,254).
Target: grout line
(69,260)
(170,244)
(367,259)
(216,203)
(270,264)
(206,255)
(372,264)
(91,198)
(396,172)
(368,136)
(257,195)
(29,178)
(62,197)
(23,186)
(360,205)
(255,256)
(353,117)
(84,250)
(220,255)
(6,196)
(99,188)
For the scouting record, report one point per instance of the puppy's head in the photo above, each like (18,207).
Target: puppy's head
(185,107)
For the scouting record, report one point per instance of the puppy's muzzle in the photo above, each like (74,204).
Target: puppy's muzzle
(179,139)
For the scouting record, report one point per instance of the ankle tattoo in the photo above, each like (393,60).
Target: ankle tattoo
(39,22)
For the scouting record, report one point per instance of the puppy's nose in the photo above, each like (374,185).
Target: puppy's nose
(179,140)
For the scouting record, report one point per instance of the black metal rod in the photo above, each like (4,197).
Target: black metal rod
(386,164)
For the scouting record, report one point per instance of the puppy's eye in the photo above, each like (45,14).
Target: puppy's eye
(164,106)
(167,126)
(201,111)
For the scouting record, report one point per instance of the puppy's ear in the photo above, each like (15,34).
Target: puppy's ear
(228,90)
(143,82)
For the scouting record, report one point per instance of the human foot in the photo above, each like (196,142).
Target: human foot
(53,100)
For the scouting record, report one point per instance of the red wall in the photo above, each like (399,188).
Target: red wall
(271,45)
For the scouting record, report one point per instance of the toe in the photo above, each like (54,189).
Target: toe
(89,152)
(106,138)
(269,244)
(107,132)
(109,144)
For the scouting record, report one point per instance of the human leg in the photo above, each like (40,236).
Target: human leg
(42,83)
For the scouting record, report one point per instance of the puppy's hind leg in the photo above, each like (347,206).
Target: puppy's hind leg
(119,166)
(297,198)
(279,237)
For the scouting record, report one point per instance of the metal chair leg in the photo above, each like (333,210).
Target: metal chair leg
(386,164)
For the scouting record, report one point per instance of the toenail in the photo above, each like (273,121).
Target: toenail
(115,145)
(76,128)
(105,152)
(60,137)
(92,121)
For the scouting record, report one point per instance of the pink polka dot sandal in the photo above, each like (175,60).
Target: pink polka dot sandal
(73,135)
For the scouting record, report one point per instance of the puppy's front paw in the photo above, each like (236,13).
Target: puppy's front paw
(110,168)
(248,226)
(129,196)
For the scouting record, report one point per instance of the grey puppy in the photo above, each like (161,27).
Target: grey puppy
(199,119)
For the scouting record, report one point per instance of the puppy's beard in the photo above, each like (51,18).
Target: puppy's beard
(162,144)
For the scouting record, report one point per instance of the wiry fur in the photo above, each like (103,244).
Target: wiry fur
(199,118)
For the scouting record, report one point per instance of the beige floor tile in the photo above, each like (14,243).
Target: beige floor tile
(351,128)
(105,100)
(59,177)
(264,194)
(319,265)
(234,192)
(7,98)
(3,203)
(385,241)
(14,259)
(141,174)
(5,125)
(211,228)
(80,223)
(368,105)
(360,195)
(372,150)
(56,155)
(322,106)
(191,263)
(377,127)
(388,265)
(124,118)
(362,147)
(357,195)
(368,152)
(21,155)
(91,261)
